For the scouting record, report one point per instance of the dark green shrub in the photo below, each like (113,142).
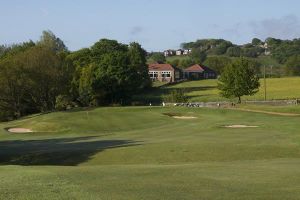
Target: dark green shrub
(176,96)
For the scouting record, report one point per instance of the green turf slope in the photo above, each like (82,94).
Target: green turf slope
(140,153)
(206,90)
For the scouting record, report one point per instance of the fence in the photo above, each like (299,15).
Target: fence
(226,104)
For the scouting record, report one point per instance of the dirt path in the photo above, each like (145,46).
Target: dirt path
(267,112)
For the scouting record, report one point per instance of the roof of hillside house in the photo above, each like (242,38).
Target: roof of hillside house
(195,68)
(160,67)
(198,68)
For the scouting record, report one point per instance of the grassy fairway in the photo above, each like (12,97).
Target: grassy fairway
(206,90)
(140,153)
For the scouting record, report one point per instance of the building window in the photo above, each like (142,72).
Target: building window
(166,74)
(153,74)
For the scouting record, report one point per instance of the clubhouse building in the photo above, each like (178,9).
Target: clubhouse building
(170,74)
(164,73)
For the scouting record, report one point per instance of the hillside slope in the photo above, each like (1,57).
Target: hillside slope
(206,90)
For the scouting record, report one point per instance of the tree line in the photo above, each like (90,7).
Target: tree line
(44,75)
(218,53)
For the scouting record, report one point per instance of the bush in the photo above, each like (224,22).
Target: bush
(176,96)
(63,102)
(6,116)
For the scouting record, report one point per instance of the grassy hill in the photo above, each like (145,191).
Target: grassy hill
(141,153)
(206,90)
(273,68)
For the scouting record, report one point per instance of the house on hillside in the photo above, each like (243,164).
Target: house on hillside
(187,51)
(179,52)
(164,73)
(197,72)
(169,53)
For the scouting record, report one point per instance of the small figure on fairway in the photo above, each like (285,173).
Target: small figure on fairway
(163,104)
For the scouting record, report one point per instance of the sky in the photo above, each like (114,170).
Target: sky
(156,24)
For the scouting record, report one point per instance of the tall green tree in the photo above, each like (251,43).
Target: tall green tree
(217,63)
(49,39)
(14,85)
(198,55)
(234,51)
(31,80)
(256,41)
(157,57)
(114,73)
(239,79)
(137,57)
(47,74)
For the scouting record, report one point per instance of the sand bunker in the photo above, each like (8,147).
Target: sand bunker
(179,116)
(184,117)
(19,130)
(240,126)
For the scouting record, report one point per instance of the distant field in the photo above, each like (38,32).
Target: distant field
(143,153)
(206,90)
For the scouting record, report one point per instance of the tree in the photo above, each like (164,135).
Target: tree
(252,52)
(209,46)
(13,87)
(157,57)
(51,41)
(86,94)
(220,48)
(184,63)
(239,79)
(292,66)
(114,73)
(137,56)
(31,80)
(48,76)
(217,63)
(80,58)
(176,96)
(256,41)
(234,51)
(15,48)
(175,62)
(198,55)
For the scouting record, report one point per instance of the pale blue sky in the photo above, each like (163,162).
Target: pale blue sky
(156,24)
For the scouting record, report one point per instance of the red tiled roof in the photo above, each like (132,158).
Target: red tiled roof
(160,67)
(195,68)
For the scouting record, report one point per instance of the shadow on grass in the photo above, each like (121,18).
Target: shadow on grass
(155,95)
(61,152)
(191,89)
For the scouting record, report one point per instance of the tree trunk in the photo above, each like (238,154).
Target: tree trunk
(239,101)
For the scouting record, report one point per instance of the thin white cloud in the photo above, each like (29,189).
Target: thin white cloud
(136,30)
(287,27)
(44,12)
